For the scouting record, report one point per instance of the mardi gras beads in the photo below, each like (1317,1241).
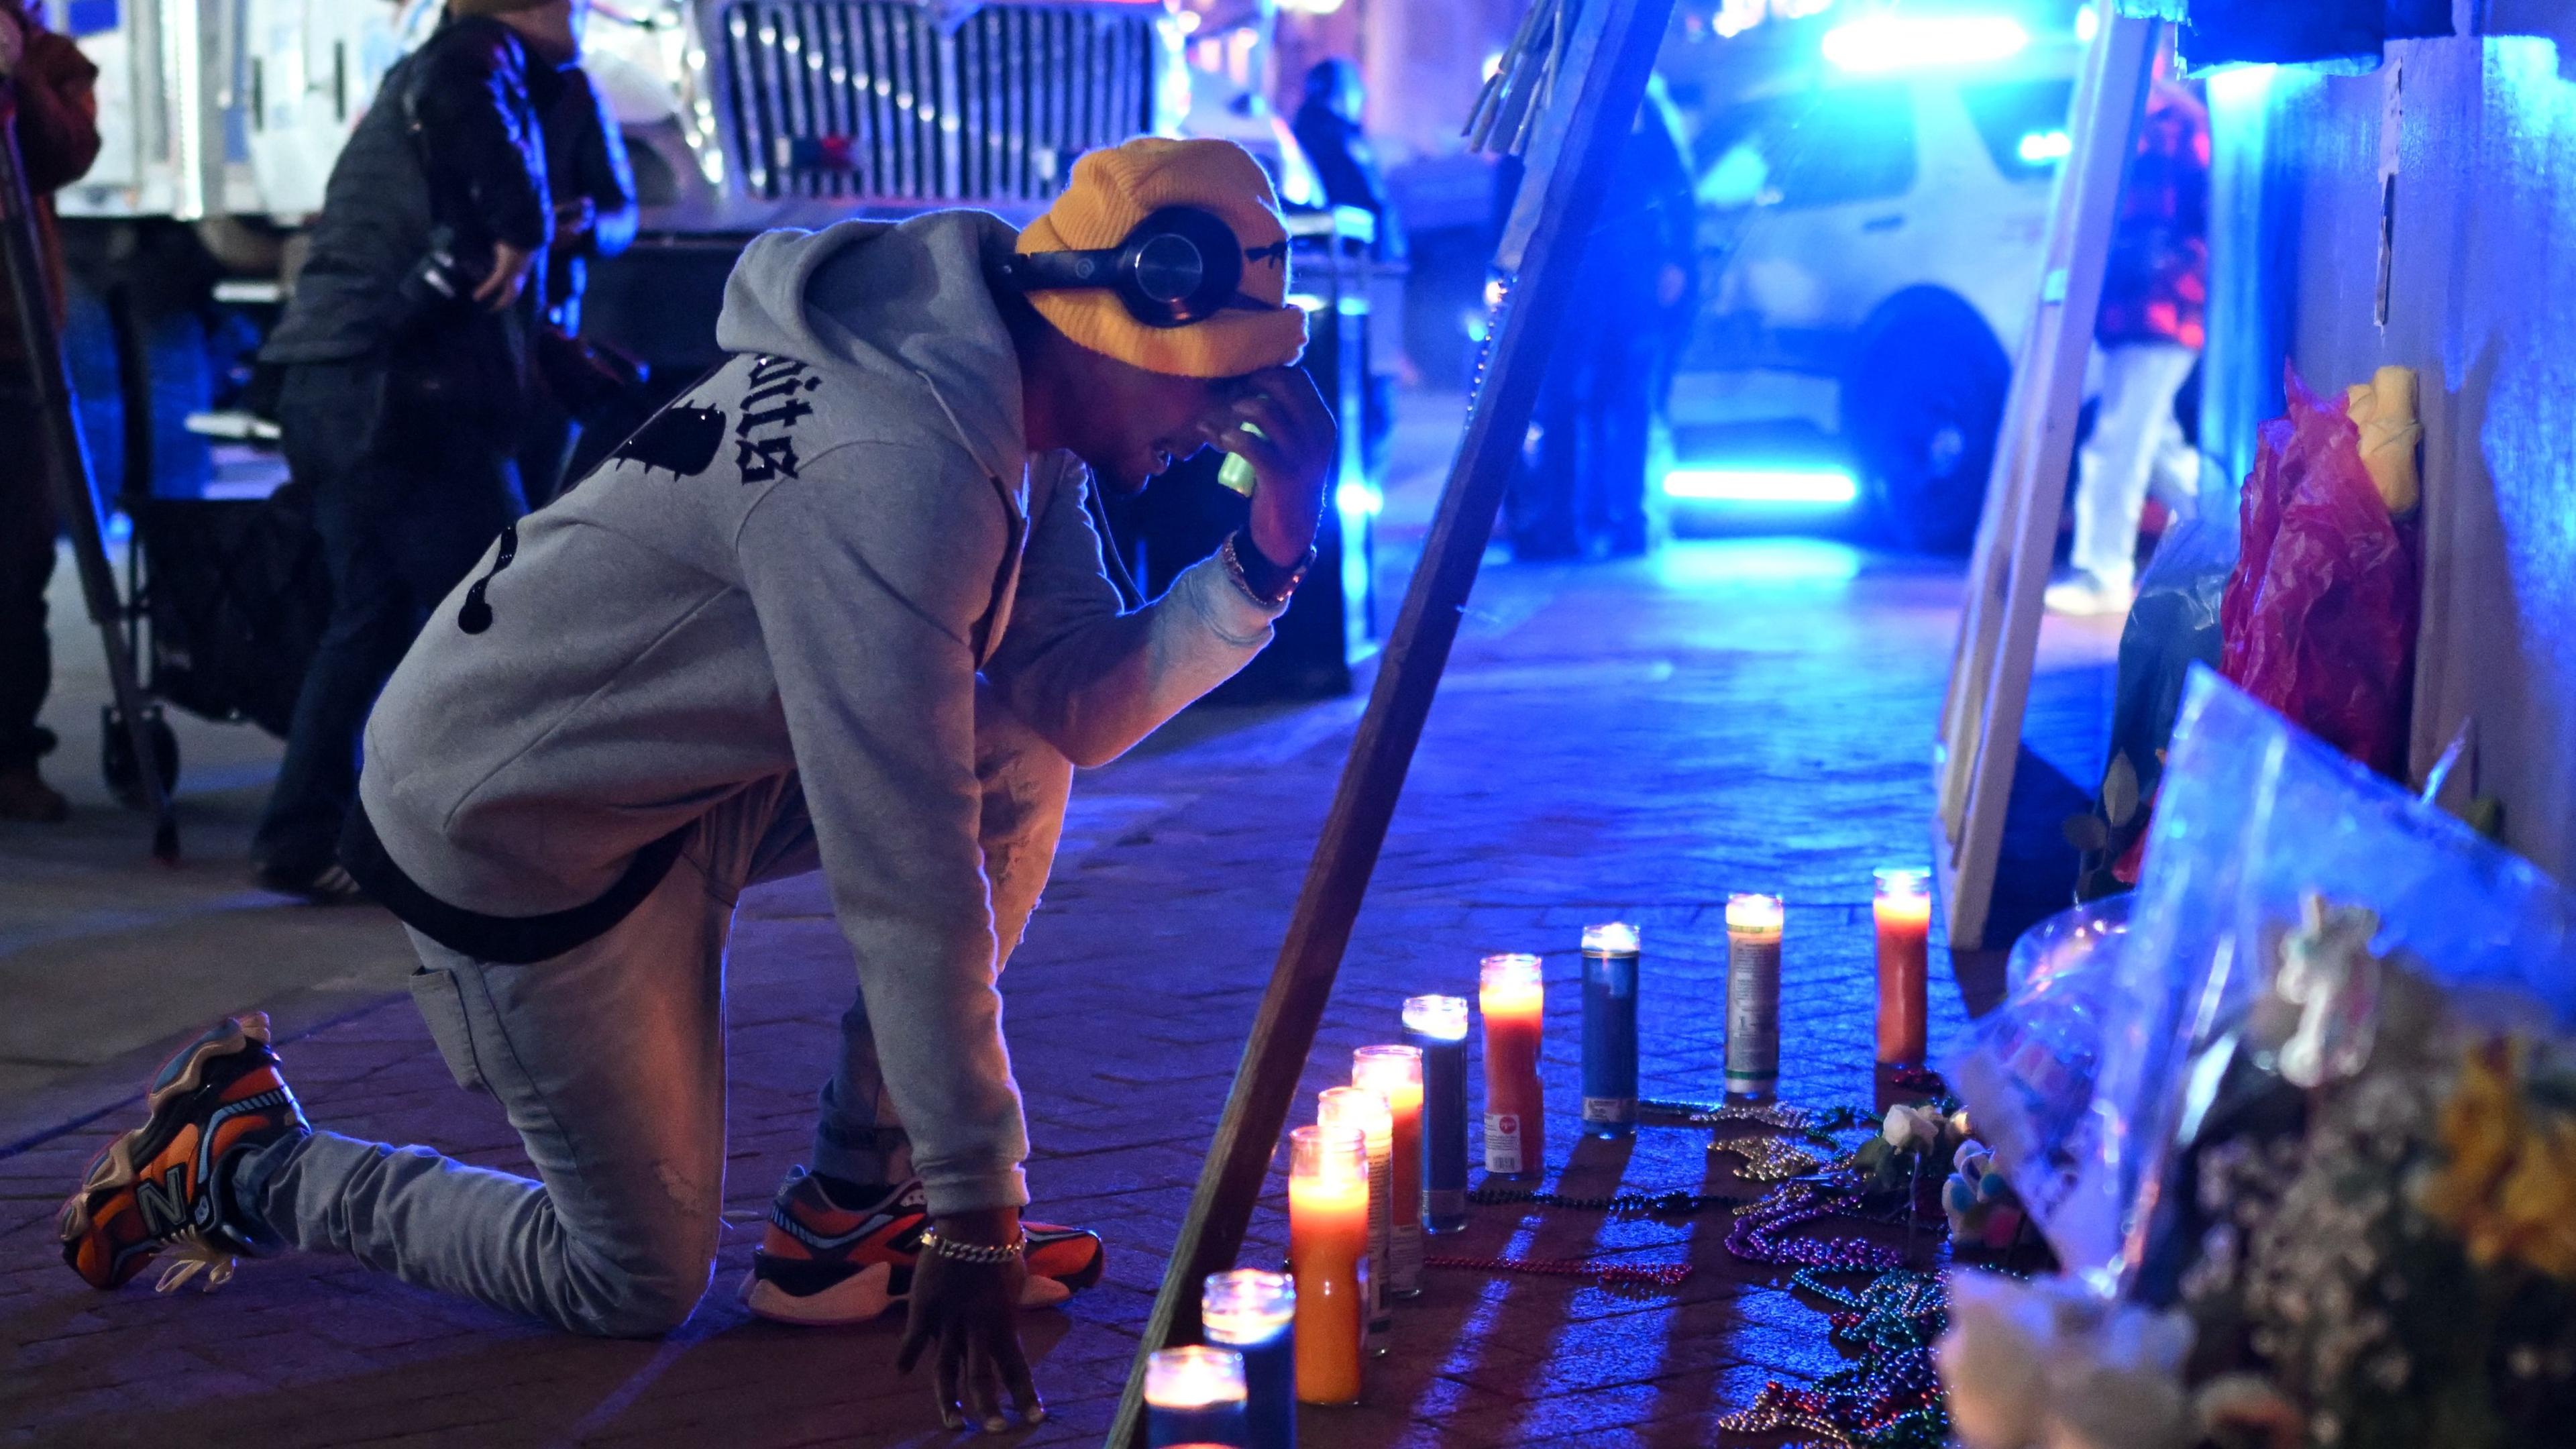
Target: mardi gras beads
(1608,1275)
(1677,1203)
(1768,1159)
(1760,1234)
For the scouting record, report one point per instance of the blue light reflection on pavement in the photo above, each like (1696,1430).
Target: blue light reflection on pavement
(1715,565)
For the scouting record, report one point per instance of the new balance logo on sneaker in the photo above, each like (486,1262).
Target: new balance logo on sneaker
(167,1185)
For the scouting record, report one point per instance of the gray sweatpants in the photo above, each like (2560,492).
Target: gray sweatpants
(610,1061)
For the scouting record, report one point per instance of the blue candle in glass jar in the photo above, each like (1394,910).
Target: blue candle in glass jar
(1255,1314)
(1194,1396)
(1438,1025)
(1610,1030)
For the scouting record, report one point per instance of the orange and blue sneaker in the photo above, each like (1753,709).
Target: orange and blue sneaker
(824,1262)
(167,1185)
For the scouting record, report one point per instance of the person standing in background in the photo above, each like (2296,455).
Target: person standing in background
(408,377)
(595,215)
(2155,296)
(47,88)
(1581,487)
(1327,127)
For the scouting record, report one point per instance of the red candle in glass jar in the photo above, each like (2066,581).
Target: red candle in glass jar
(1513,998)
(1902,909)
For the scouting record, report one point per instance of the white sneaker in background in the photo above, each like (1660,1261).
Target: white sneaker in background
(2082,596)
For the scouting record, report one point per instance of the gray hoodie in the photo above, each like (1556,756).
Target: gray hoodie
(802,564)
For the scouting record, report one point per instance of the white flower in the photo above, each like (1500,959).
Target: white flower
(2042,1365)
(1991,1361)
(2120,1386)
(1912,1129)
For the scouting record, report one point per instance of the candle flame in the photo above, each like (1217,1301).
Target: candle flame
(1611,938)
(1357,1107)
(1755,913)
(1195,1377)
(1442,1018)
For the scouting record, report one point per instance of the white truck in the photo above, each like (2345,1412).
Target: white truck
(225,116)
(738,114)
(1872,225)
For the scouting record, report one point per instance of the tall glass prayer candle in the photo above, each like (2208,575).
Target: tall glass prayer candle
(1514,1001)
(1903,912)
(1395,1073)
(1367,1111)
(1753,927)
(1194,1396)
(1438,1025)
(1610,1030)
(1254,1313)
(1328,1232)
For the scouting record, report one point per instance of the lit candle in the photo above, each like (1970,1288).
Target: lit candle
(1610,1030)
(1254,1313)
(1903,911)
(1514,1000)
(1194,1396)
(1438,1025)
(1395,1073)
(1328,1230)
(1753,928)
(1367,1111)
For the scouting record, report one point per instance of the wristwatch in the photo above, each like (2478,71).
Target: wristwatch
(1267,584)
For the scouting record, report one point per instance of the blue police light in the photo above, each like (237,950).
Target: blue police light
(1878,44)
(1800,487)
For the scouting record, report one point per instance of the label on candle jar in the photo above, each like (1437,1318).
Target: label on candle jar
(1503,1143)
(1752,1011)
(1404,1257)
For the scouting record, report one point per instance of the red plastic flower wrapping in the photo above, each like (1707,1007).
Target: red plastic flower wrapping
(2319,620)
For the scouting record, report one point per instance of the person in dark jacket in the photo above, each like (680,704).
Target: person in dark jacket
(1581,489)
(595,216)
(407,377)
(1328,131)
(48,84)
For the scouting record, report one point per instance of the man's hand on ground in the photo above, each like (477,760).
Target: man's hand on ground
(1291,457)
(510,268)
(970,1312)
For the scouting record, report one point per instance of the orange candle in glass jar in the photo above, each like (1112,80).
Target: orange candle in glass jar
(1513,998)
(1395,1073)
(1365,1111)
(1328,1243)
(1902,909)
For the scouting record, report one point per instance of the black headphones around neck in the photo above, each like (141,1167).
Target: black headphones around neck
(1180,265)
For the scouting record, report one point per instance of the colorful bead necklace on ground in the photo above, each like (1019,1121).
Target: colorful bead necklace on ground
(1768,1159)
(1607,1274)
(1891,1397)
(1762,1232)
(1815,1124)
(1675,1204)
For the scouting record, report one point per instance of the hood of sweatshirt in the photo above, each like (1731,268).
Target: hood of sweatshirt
(908,301)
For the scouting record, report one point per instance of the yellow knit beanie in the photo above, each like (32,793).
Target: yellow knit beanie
(1111,192)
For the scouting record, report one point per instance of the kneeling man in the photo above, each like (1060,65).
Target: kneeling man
(840,606)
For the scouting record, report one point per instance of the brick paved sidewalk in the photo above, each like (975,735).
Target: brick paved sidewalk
(1632,740)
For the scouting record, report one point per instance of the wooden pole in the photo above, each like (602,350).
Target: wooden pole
(1608,55)
(64,456)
